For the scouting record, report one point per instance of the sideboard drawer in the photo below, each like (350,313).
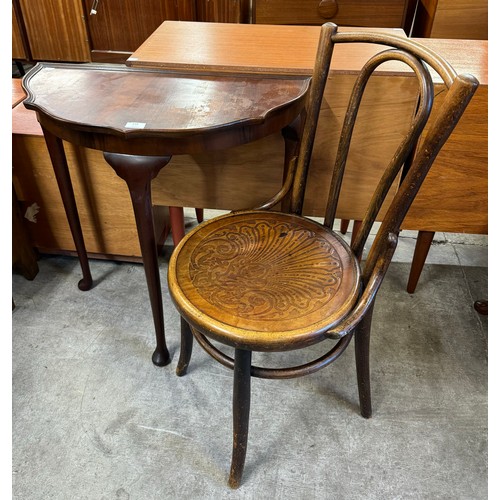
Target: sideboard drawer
(378,13)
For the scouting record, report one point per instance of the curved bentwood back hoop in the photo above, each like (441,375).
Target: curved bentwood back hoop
(418,156)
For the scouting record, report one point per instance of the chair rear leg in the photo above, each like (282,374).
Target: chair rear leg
(186,348)
(241,413)
(362,352)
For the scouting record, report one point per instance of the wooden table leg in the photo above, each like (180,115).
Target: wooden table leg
(60,165)
(424,240)
(138,172)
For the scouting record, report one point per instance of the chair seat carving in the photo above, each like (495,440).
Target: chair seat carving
(272,277)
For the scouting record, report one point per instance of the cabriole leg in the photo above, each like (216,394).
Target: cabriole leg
(61,171)
(138,172)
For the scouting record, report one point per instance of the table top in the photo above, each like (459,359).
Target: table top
(247,48)
(255,48)
(119,104)
(18,93)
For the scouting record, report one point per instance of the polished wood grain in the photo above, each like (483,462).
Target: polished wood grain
(169,114)
(454,196)
(18,44)
(120,26)
(379,13)
(18,93)
(460,19)
(56,30)
(269,274)
(243,48)
(465,55)
(224,11)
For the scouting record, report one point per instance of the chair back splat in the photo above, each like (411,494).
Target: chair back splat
(269,281)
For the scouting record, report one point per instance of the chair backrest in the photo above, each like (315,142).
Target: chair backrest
(415,153)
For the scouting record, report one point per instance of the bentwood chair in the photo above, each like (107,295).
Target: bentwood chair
(263,280)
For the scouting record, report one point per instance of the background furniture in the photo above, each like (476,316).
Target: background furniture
(20,49)
(363,13)
(118,27)
(112,33)
(460,19)
(238,178)
(65,22)
(454,197)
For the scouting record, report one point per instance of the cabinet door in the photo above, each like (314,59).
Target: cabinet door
(18,49)
(461,19)
(119,27)
(224,11)
(56,30)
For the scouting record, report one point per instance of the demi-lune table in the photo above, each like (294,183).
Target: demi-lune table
(139,118)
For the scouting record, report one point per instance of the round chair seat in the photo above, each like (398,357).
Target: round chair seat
(262,280)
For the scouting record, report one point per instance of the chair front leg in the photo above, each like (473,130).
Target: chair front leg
(186,348)
(241,413)
(362,352)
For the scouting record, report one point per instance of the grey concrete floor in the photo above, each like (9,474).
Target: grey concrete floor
(93,418)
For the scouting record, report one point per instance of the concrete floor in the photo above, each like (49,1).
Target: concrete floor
(93,418)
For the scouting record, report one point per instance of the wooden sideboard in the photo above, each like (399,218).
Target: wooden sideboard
(454,196)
